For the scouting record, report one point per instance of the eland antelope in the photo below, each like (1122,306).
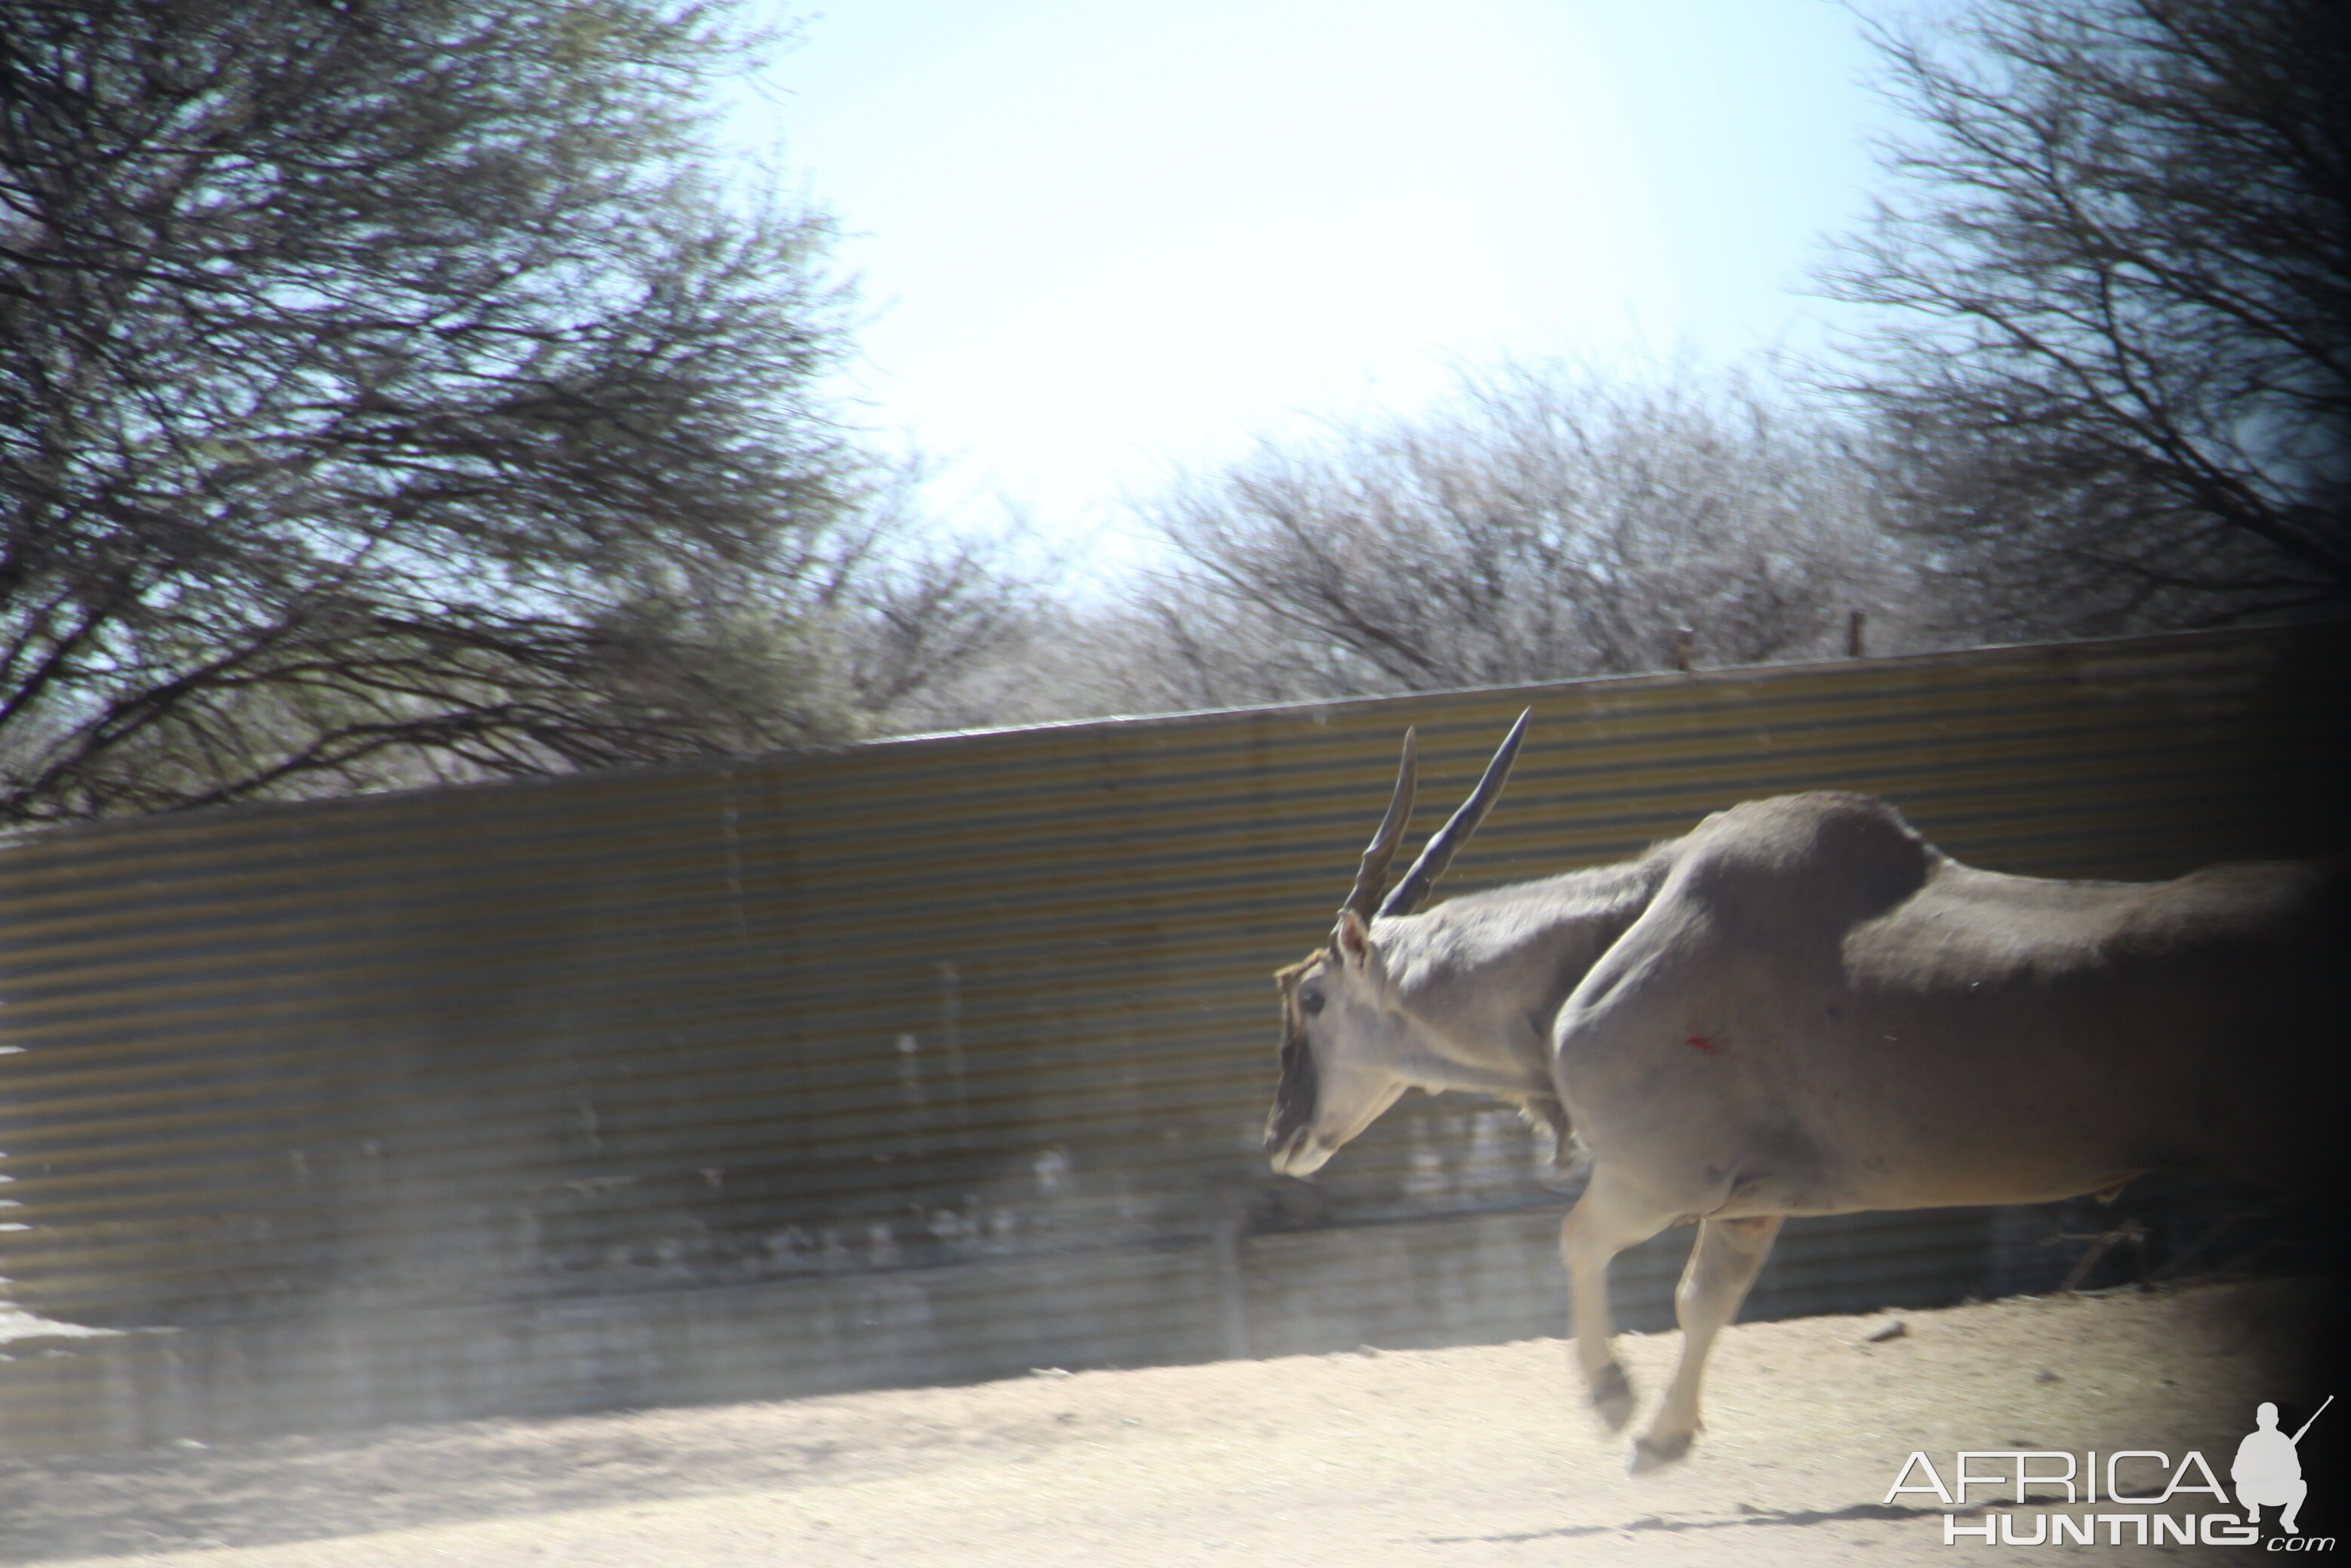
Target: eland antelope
(1802,1007)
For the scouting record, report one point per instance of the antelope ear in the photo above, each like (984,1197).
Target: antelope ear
(1350,940)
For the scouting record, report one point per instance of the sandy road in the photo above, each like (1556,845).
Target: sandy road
(1464,1456)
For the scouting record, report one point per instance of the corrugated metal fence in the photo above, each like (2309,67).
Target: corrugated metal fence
(932,1059)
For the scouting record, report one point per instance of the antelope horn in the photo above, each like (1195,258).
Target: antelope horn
(1438,854)
(1373,876)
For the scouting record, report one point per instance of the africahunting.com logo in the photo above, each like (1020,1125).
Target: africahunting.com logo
(2266,1473)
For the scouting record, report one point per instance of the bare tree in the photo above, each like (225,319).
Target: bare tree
(386,392)
(2116,365)
(930,631)
(1054,660)
(1545,525)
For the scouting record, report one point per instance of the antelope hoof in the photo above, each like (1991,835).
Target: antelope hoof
(1657,1453)
(1612,1396)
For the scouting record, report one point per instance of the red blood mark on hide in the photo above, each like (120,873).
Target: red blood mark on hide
(1700,1042)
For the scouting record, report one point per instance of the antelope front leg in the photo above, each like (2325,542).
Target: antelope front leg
(1729,1255)
(1608,1218)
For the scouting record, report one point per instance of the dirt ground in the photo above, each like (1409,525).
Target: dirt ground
(1471,1456)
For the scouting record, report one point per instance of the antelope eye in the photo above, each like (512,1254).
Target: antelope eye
(1311,1001)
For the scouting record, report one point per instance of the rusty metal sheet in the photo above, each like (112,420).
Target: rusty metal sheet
(978,1000)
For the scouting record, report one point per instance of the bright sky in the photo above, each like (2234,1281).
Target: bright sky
(1099,240)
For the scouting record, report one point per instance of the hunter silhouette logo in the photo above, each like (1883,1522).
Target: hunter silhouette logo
(2122,1494)
(2268,1471)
